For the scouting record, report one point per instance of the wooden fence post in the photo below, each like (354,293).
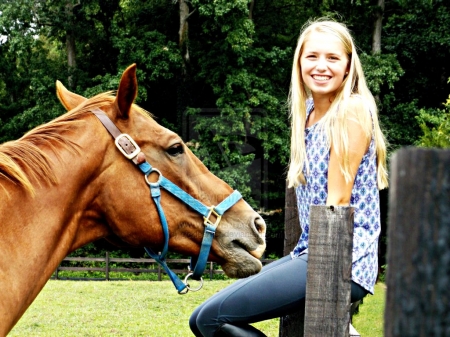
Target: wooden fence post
(418,271)
(107,266)
(159,270)
(294,325)
(291,325)
(328,286)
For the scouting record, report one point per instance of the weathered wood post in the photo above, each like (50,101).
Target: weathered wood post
(418,274)
(291,325)
(328,286)
(107,266)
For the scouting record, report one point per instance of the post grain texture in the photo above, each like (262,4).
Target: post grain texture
(418,274)
(291,325)
(327,308)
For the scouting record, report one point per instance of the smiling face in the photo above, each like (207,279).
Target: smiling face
(323,64)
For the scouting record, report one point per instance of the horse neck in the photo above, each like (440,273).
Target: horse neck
(36,233)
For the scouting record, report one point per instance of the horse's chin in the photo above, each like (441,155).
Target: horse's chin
(242,264)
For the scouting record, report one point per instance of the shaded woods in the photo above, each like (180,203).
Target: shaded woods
(218,72)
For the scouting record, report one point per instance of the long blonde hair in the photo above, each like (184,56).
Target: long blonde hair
(333,124)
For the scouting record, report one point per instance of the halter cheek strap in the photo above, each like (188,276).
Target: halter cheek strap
(130,150)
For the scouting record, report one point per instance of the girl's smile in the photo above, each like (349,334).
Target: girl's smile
(323,64)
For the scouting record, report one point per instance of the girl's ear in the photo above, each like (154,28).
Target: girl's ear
(347,71)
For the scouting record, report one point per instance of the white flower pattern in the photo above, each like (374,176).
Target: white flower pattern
(365,199)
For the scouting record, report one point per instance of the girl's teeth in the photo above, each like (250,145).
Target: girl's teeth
(321,78)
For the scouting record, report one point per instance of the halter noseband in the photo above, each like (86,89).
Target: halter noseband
(130,150)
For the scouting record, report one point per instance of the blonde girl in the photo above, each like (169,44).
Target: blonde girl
(338,156)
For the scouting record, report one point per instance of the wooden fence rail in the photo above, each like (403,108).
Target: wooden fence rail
(107,269)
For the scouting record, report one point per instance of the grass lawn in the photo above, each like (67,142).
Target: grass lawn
(370,320)
(142,308)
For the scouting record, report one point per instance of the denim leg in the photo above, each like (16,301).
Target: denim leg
(276,290)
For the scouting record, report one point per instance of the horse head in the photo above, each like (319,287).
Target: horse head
(123,203)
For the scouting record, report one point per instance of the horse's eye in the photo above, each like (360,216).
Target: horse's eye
(175,150)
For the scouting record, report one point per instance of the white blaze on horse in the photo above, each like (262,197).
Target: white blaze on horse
(65,184)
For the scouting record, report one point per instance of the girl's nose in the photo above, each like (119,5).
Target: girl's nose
(321,64)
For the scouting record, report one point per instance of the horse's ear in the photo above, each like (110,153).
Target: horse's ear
(127,91)
(68,99)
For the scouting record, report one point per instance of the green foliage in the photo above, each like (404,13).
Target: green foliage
(418,33)
(435,125)
(247,105)
(227,96)
(396,120)
(381,70)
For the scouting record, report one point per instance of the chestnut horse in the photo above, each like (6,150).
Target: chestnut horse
(65,184)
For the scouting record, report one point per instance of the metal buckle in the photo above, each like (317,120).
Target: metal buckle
(131,140)
(206,219)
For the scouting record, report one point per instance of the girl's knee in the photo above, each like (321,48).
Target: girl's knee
(193,325)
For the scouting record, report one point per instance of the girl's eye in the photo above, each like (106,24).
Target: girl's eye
(175,150)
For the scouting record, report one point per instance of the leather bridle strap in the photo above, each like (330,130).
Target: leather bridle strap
(130,150)
(124,142)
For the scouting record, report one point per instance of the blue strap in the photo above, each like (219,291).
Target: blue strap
(179,285)
(145,167)
(161,258)
(210,229)
(202,259)
(183,196)
(156,195)
(228,202)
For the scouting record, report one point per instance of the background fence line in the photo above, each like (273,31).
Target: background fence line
(210,270)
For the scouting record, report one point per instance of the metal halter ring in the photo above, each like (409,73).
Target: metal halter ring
(187,284)
(157,183)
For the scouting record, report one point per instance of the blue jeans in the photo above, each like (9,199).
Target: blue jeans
(277,290)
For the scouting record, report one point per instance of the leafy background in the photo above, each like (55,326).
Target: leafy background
(218,72)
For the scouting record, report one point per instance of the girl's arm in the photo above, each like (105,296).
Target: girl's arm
(339,191)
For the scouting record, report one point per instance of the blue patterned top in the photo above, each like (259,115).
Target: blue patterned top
(364,198)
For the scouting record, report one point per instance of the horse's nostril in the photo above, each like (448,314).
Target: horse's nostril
(260,225)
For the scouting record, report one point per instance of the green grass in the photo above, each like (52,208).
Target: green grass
(369,322)
(141,308)
(116,308)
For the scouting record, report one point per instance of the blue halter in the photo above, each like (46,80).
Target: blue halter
(130,150)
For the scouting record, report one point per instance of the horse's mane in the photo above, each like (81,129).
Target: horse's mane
(23,160)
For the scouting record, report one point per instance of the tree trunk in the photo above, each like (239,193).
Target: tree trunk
(71,57)
(376,34)
(70,43)
(377,26)
(250,10)
(184,31)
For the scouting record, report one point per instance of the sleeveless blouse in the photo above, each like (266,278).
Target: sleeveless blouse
(364,198)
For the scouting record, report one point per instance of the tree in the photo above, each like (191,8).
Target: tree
(435,125)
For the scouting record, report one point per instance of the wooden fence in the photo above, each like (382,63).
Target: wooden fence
(152,267)
(418,276)
(418,272)
(327,306)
